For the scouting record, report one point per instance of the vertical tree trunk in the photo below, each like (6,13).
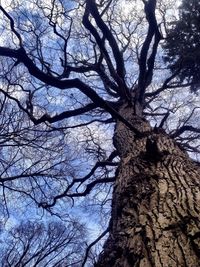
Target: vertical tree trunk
(156,202)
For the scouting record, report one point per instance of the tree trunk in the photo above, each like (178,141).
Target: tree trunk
(155,218)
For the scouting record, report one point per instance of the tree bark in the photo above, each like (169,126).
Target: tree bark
(155,219)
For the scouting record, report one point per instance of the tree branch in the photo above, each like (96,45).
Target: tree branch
(120,68)
(92,244)
(89,187)
(184,129)
(12,25)
(21,55)
(65,114)
(146,65)
(91,5)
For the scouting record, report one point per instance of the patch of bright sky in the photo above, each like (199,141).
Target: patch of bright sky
(8,223)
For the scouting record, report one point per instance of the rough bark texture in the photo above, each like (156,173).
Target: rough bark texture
(156,202)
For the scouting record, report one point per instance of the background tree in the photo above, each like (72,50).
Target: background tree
(83,74)
(182,44)
(37,244)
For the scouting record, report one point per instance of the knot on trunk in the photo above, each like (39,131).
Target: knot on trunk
(153,153)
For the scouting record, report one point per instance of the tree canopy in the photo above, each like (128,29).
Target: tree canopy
(69,72)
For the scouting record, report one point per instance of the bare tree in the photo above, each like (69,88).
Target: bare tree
(93,69)
(37,244)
